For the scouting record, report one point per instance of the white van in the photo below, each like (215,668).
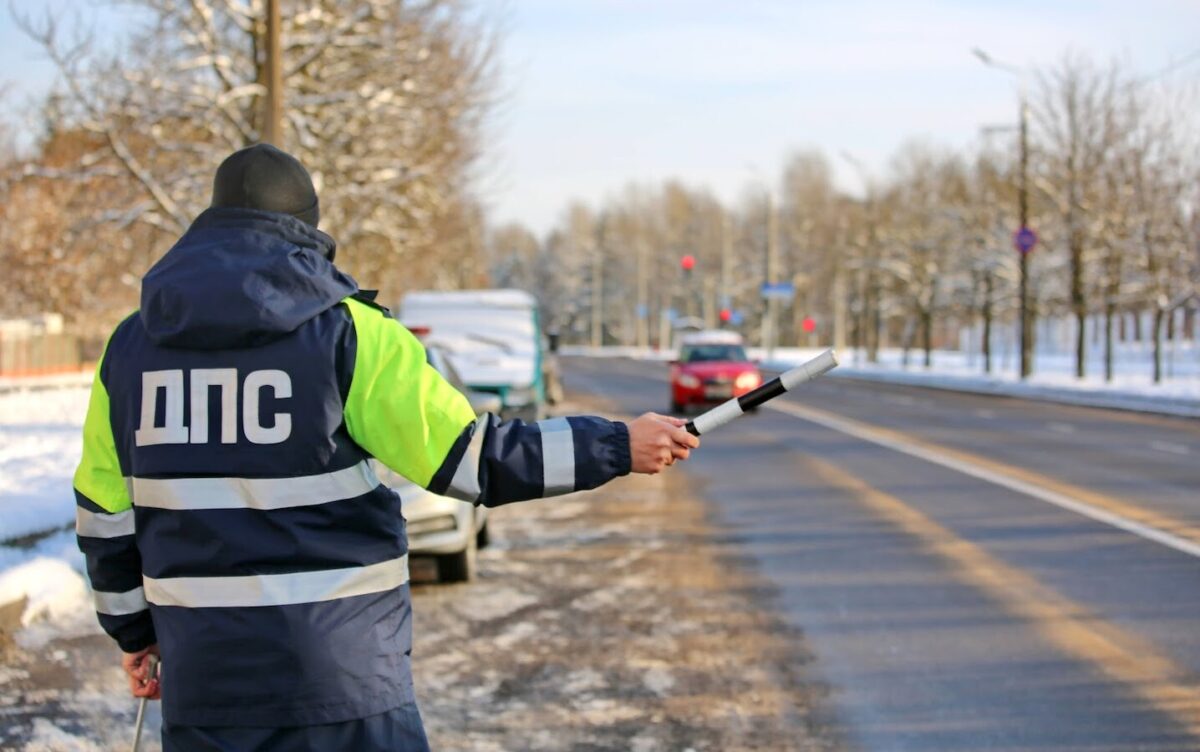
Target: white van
(494,339)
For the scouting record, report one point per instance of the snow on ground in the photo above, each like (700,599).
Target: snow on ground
(39,447)
(71,378)
(40,444)
(50,577)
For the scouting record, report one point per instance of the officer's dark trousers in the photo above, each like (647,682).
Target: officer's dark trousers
(398,730)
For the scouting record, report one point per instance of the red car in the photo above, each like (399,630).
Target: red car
(709,370)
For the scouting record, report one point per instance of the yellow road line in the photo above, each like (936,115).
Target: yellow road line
(1067,625)
(1145,523)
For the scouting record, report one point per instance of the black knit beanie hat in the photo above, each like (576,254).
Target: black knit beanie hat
(264,177)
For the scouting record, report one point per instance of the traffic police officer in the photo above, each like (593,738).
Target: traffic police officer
(226,503)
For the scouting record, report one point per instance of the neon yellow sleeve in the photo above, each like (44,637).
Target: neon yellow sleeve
(400,409)
(99,476)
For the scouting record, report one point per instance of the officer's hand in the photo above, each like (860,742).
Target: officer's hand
(656,441)
(137,668)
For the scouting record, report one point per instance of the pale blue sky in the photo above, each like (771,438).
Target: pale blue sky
(603,92)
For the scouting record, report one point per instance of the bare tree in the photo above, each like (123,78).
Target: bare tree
(1077,131)
(385,105)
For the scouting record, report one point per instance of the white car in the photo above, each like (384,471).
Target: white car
(448,529)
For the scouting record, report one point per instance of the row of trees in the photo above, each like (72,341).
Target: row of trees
(1114,193)
(386,104)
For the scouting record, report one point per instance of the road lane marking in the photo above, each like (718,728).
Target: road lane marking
(1068,626)
(1141,522)
(1061,427)
(1170,447)
(985,414)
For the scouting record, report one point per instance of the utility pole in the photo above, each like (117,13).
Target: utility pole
(597,295)
(839,308)
(643,289)
(273,117)
(726,260)
(769,327)
(1023,219)
(1026,325)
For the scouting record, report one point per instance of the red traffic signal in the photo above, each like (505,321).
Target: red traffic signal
(687,262)
(809,325)
(726,315)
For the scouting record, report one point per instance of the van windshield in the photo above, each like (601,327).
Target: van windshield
(711,353)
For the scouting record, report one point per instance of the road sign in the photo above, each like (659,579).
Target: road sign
(1025,239)
(778,290)
(736,318)
(641,310)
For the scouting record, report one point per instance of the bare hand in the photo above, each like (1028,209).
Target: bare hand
(137,668)
(656,441)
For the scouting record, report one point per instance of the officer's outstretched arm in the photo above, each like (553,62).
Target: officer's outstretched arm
(405,414)
(105,530)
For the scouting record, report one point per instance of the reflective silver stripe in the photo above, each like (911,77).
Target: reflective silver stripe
(120,604)
(277,589)
(99,525)
(253,493)
(558,456)
(465,483)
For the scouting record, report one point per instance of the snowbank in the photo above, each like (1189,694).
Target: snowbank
(40,444)
(49,576)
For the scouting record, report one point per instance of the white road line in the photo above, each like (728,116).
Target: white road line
(1061,427)
(953,463)
(985,414)
(1171,447)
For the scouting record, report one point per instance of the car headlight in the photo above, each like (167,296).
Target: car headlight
(748,380)
(688,381)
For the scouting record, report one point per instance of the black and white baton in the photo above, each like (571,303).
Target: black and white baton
(784,382)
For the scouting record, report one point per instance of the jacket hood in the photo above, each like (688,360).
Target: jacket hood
(239,278)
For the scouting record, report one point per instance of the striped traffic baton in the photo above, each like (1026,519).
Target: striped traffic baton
(784,382)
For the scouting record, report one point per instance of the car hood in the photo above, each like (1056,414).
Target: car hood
(481,364)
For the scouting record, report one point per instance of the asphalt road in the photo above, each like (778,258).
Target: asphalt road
(971,572)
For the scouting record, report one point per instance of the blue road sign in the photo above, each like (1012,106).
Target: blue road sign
(736,318)
(778,290)
(641,310)
(1025,239)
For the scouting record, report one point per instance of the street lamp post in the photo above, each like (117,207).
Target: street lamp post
(1026,330)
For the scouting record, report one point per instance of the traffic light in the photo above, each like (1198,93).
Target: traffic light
(687,262)
(726,315)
